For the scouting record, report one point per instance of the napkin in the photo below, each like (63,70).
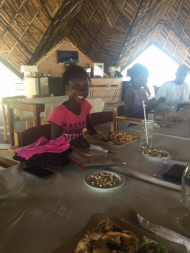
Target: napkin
(98,148)
(164,232)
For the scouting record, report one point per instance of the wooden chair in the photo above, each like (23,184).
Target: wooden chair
(118,115)
(99,118)
(31,134)
(42,95)
(5,100)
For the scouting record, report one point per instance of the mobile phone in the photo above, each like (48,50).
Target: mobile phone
(174,173)
(38,172)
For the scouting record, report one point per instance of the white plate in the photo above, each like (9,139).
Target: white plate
(157,158)
(70,245)
(88,179)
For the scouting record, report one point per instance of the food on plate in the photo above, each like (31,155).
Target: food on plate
(155,153)
(115,138)
(103,180)
(148,246)
(176,119)
(108,237)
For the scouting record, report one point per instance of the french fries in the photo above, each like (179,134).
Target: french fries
(115,138)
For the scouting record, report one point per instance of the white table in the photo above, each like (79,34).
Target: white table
(143,168)
(39,215)
(178,130)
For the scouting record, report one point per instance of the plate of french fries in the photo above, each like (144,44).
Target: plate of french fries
(114,138)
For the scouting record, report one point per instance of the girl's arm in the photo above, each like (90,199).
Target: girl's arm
(147,90)
(56,131)
(89,125)
(129,101)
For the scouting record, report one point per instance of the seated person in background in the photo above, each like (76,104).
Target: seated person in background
(71,117)
(137,92)
(176,92)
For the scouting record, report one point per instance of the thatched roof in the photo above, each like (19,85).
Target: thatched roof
(109,31)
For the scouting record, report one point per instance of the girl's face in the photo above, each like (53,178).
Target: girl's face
(142,79)
(78,89)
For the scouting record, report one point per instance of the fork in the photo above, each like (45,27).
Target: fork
(133,216)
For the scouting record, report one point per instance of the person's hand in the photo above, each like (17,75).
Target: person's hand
(161,100)
(150,103)
(80,141)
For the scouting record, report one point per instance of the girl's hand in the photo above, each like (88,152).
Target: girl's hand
(80,141)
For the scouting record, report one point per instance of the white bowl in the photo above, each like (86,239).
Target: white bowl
(158,158)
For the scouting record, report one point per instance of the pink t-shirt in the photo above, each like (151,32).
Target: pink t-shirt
(72,124)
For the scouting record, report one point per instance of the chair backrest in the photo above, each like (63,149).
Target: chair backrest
(119,115)
(99,118)
(42,95)
(120,110)
(31,134)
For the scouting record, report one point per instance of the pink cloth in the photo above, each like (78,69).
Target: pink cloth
(42,145)
(72,124)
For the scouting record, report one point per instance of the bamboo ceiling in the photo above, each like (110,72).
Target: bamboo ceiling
(109,31)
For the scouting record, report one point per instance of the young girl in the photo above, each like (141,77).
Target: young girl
(71,117)
(137,92)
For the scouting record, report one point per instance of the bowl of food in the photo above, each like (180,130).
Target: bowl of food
(154,153)
(104,180)
(161,119)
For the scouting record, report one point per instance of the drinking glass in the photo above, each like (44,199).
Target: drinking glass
(149,124)
(168,116)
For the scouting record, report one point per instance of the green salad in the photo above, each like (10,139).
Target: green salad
(150,246)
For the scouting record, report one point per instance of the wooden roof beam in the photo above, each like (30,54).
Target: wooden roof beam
(168,35)
(144,19)
(18,40)
(130,29)
(10,23)
(63,11)
(113,24)
(94,36)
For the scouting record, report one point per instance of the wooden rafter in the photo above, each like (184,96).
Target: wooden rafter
(113,32)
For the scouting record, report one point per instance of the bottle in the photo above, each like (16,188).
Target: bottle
(185,199)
